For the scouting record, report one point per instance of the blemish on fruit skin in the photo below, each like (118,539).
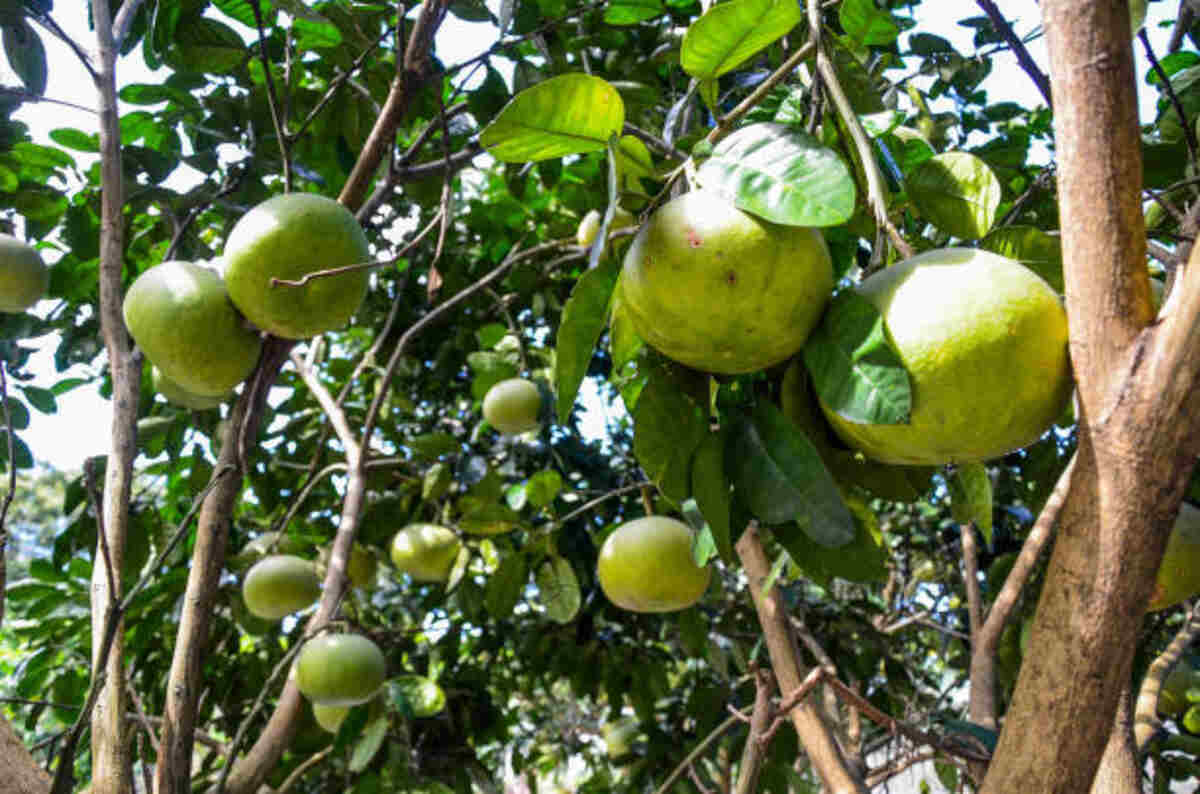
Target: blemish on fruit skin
(731,278)
(694,239)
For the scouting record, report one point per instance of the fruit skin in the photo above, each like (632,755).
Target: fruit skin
(172,392)
(360,568)
(340,669)
(288,237)
(589,227)
(984,340)
(279,585)
(180,316)
(721,290)
(426,552)
(330,717)
(646,565)
(512,406)
(24,278)
(1178,577)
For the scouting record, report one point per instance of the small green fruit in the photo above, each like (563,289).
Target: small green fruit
(288,237)
(426,552)
(24,278)
(181,318)
(646,565)
(512,406)
(360,569)
(280,585)
(340,669)
(330,717)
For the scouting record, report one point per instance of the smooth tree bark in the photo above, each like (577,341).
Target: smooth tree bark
(1137,413)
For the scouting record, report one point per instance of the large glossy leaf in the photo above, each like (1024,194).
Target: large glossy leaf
(631,12)
(583,320)
(781,478)
(504,587)
(710,489)
(971,497)
(956,192)
(864,559)
(243,12)
(368,746)
(732,31)
(558,589)
(854,369)
(669,422)
(1032,247)
(205,45)
(781,174)
(867,24)
(568,114)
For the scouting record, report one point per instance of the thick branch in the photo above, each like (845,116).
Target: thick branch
(814,734)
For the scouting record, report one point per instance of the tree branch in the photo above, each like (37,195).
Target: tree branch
(1019,49)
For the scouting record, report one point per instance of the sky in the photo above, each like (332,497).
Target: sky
(81,427)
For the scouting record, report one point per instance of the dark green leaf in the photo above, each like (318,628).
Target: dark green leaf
(504,587)
(26,55)
(583,320)
(243,12)
(558,589)
(854,369)
(971,497)
(669,422)
(543,487)
(372,739)
(710,489)
(76,139)
(867,24)
(864,559)
(206,45)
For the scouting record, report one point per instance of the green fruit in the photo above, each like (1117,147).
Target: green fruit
(280,585)
(172,392)
(426,552)
(721,290)
(360,568)
(423,695)
(984,340)
(589,227)
(619,736)
(340,669)
(287,237)
(646,565)
(512,406)
(181,318)
(24,278)
(330,717)
(1178,576)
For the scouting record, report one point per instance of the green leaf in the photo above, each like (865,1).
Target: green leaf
(417,694)
(568,114)
(21,454)
(632,12)
(867,24)
(543,487)
(710,489)
(864,559)
(372,739)
(731,32)
(489,368)
(957,192)
(1032,247)
(205,45)
(243,12)
(781,174)
(504,587)
(26,55)
(971,497)
(481,518)
(854,369)
(583,320)
(669,422)
(76,139)
(18,415)
(436,482)
(315,33)
(623,340)
(558,589)
(780,477)
(429,446)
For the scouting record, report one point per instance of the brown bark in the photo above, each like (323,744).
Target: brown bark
(1118,772)
(109,730)
(1137,427)
(19,771)
(815,736)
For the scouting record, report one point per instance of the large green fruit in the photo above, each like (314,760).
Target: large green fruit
(280,585)
(24,278)
(426,552)
(287,237)
(646,565)
(172,392)
(721,290)
(340,669)
(181,318)
(984,340)
(1178,576)
(512,406)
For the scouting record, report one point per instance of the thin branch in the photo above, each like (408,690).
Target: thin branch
(294,777)
(336,86)
(12,484)
(29,96)
(273,98)
(47,21)
(898,765)
(334,271)
(1019,49)
(124,20)
(650,139)
(624,489)
(727,122)
(699,750)
(1189,131)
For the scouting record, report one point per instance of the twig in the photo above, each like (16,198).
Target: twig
(898,765)
(624,489)
(1189,132)
(47,21)
(334,271)
(124,20)
(12,484)
(272,98)
(336,86)
(652,140)
(298,772)
(29,96)
(698,751)
(1018,47)
(727,122)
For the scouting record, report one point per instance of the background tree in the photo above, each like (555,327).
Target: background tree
(136,663)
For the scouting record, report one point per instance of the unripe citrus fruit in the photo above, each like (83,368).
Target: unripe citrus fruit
(512,406)
(984,340)
(24,278)
(330,717)
(287,237)
(721,290)
(646,565)
(340,669)
(181,318)
(279,585)
(1178,576)
(589,227)
(360,568)
(172,392)
(426,552)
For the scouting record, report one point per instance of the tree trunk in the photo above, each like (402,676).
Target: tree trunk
(18,771)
